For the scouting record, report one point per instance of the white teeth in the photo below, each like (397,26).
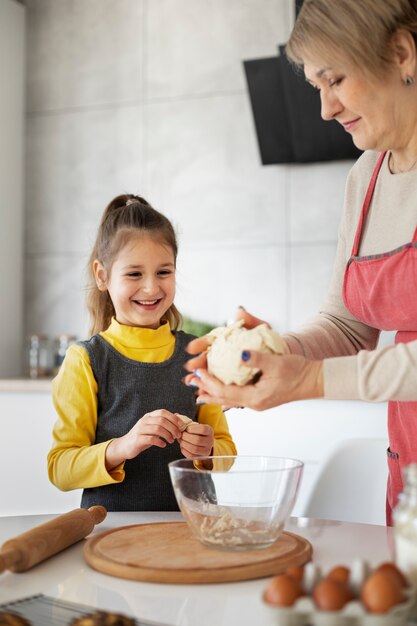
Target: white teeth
(147,302)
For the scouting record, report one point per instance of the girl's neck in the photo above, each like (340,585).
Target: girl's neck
(162,322)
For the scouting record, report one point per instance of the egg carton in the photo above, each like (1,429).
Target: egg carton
(305,613)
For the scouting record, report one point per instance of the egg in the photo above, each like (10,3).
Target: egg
(331,595)
(340,573)
(283,590)
(394,571)
(381,592)
(295,572)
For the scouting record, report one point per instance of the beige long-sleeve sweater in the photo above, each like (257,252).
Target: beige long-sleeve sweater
(353,366)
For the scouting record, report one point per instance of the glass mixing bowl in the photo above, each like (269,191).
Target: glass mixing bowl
(236,502)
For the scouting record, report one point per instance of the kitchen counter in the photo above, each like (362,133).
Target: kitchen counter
(67,576)
(22,385)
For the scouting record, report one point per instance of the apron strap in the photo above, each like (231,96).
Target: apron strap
(366,204)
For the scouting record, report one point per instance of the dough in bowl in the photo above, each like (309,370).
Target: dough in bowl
(226,346)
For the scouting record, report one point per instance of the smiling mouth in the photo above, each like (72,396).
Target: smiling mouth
(350,123)
(148,303)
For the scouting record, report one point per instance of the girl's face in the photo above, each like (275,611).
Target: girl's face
(141,282)
(373,112)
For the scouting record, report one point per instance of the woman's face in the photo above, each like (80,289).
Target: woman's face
(372,111)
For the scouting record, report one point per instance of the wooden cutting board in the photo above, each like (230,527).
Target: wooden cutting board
(166,552)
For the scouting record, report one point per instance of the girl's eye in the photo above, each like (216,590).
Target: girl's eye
(165,272)
(134,274)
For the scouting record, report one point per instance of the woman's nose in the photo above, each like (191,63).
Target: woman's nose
(330,105)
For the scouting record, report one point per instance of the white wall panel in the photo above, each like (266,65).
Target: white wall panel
(196,47)
(77,162)
(203,170)
(214,280)
(84,53)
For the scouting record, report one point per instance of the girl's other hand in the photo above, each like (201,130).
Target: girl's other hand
(157,428)
(197,440)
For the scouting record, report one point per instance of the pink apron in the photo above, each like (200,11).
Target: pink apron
(380,290)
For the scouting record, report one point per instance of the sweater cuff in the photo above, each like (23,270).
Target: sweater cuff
(294,344)
(340,378)
(116,474)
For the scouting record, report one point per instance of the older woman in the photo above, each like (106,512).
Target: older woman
(361,56)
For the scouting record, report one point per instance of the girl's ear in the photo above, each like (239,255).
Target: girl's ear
(100,275)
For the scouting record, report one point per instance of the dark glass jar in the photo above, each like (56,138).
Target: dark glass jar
(38,356)
(62,343)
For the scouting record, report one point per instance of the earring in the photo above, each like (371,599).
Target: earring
(408,80)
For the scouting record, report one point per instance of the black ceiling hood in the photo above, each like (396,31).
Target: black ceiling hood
(286,111)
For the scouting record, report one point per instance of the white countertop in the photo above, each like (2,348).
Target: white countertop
(67,576)
(23,385)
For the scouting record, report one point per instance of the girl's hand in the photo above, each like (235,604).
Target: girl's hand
(284,378)
(157,428)
(197,440)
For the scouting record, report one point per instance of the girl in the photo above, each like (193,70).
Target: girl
(117,394)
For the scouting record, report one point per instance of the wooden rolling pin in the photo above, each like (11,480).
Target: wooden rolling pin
(30,548)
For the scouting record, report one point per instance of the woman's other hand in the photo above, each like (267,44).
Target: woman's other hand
(249,320)
(197,440)
(284,378)
(157,428)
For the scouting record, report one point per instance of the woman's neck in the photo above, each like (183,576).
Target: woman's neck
(401,162)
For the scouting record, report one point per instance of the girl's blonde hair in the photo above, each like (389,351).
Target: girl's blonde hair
(353,33)
(123,217)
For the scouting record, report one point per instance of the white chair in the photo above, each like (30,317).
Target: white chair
(351,485)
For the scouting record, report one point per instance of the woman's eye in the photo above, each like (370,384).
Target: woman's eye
(336,82)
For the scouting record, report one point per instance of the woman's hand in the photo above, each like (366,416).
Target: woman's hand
(284,378)
(157,428)
(249,320)
(199,346)
(197,440)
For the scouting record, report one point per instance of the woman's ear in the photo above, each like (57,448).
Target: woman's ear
(100,275)
(404,52)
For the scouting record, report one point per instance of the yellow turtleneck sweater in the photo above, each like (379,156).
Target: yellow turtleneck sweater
(75,461)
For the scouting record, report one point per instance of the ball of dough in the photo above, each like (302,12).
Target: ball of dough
(186,421)
(226,346)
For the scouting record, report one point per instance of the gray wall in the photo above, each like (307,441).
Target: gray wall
(149,96)
(12,81)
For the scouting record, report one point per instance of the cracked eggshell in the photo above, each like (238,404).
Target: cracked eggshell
(226,346)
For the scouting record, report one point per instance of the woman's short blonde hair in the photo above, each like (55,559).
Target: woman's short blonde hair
(352,33)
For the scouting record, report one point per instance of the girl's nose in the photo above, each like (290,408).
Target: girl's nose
(330,105)
(150,285)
